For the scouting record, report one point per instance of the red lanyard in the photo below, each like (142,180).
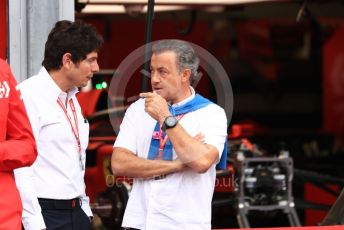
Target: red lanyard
(76,129)
(162,141)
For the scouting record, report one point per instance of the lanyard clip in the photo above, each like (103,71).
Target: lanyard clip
(156,135)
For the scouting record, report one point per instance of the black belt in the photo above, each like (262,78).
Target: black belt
(161,177)
(59,204)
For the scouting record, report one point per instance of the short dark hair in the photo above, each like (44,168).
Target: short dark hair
(77,38)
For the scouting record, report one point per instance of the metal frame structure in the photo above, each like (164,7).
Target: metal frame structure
(288,207)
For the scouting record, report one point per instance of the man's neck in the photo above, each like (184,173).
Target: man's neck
(60,80)
(185,94)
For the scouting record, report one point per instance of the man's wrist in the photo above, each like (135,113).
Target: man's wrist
(169,123)
(178,165)
(162,118)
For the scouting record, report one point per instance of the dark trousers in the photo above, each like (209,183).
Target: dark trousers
(58,216)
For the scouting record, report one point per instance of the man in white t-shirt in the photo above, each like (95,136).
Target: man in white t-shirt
(170,142)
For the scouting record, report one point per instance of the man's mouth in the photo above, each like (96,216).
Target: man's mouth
(156,88)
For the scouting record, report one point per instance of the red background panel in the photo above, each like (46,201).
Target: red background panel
(316,195)
(333,81)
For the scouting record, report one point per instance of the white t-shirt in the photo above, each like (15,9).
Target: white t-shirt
(181,200)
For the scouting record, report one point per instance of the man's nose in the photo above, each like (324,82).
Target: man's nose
(95,67)
(154,77)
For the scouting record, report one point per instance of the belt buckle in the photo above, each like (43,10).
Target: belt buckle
(160,177)
(66,204)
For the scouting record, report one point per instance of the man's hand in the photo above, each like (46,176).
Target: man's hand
(156,106)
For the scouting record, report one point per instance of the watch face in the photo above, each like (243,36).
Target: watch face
(171,121)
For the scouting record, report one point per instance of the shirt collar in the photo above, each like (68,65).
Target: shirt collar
(51,89)
(186,100)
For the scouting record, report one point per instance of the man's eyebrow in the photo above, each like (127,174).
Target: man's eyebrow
(161,68)
(158,68)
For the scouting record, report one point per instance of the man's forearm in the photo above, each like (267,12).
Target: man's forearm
(125,163)
(193,153)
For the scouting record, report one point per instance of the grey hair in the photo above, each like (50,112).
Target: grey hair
(185,54)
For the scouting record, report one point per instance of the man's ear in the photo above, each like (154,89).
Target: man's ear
(186,75)
(67,60)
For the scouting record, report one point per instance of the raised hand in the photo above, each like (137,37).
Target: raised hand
(156,106)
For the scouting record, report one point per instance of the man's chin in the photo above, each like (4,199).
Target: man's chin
(82,85)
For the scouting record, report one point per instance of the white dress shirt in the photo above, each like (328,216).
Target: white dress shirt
(182,200)
(58,172)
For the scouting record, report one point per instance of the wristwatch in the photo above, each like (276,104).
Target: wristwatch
(170,122)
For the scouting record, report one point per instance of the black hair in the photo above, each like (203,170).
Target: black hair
(77,38)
